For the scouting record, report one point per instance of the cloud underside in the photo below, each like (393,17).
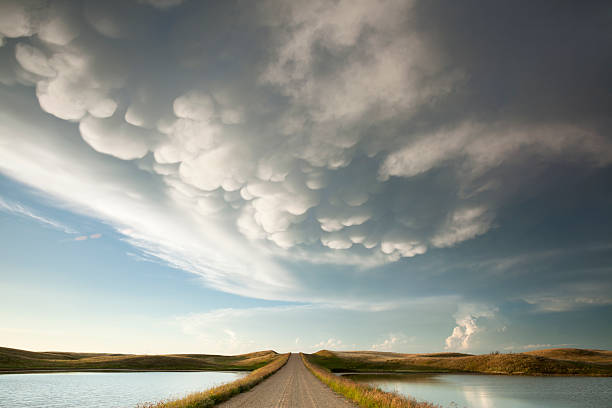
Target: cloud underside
(327,132)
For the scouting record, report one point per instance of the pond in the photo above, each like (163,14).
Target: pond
(496,391)
(104,390)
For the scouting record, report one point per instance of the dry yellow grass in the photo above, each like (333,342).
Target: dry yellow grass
(542,362)
(15,360)
(216,395)
(364,395)
(574,354)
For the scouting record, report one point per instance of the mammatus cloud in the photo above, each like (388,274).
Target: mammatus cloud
(467,326)
(308,176)
(342,133)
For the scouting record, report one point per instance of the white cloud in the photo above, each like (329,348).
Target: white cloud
(480,147)
(394,342)
(549,303)
(18,209)
(77,88)
(226,167)
(538,346)
(172,231)
(86,237)
(462,225)
(194,105)
(33,60)
(54,23)
(115,137)
(329,344)
(467,316)
(18,18)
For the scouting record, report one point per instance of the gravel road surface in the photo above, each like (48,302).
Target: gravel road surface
(291,386)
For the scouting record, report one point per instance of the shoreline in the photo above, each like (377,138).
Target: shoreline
(343,373)
(117,370)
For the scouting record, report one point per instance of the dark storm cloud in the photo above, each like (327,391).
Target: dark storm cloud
(537,61)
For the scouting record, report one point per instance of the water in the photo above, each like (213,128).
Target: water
(103,390)
(496,391)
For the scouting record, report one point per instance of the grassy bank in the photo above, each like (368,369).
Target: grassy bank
(14,360)
(364,395)
(216,395)
(541,362)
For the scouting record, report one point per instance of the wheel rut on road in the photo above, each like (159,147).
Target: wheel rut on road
(291,386)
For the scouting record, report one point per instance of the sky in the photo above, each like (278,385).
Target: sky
(223,177)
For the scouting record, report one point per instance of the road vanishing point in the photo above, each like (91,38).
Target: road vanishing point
(291,386)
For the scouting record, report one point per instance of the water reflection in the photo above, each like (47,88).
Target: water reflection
(492,391)
(103,390)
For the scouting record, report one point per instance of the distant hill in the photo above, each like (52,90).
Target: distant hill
(540,362)
(574,354)
(14,360)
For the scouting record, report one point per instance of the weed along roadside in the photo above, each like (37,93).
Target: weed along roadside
(363,395)
(216,395)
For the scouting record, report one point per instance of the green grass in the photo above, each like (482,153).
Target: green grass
(543,362)
(216,395)
(14,360)
(364,395)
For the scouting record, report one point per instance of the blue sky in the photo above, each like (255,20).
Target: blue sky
(184,176)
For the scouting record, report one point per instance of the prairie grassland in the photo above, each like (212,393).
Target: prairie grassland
(216,395)
(364,395)
(14,360)
(541,362)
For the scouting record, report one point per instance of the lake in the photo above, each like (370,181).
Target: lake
(103,390)
(497,391)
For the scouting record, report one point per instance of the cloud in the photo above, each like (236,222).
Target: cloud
(86,237)
(462,225)
(563,303)
(223,330)
(467,326)
(538,346)
(113,137)
(394,342)
(54,23)
(306,176)
(18,209)
(328,344)
(162,4)
(337,136)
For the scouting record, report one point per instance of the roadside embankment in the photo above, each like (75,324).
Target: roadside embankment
(216,395)
(363,395)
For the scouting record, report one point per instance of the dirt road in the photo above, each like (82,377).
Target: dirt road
(291,386)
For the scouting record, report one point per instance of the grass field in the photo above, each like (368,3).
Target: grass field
(14,360)
(541,362)
(362,394)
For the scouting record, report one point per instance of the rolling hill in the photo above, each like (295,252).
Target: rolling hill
(540,362)
(15,360)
